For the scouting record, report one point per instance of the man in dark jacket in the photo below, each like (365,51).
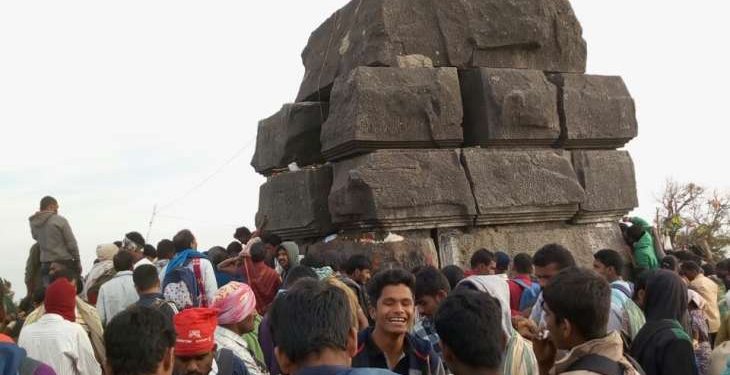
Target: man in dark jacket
(54,235)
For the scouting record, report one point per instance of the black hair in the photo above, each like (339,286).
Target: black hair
(216,255)
(641,280)
(583,298)
(610,258)
(481,256)
(670,262)
(326,324)
(183,240)
(123,261)
(553,254)
(708,269)
(118,243)
(258,252)
(234,248)
(271,239)
(297,273)
(464,315)
(145,277)
(454,274)
(165,249)
(690,266)
(242,232)
(523,263)
(137,238)
(47,201)
(39,295)
(149,251)
(136,340)
(634,233)
(393,276)
(313,260)
(429,281)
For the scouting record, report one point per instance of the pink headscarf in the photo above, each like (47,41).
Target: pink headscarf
(235,302)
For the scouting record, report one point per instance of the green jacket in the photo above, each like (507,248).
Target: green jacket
(644,254)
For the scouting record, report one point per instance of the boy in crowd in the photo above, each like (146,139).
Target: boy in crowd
(432,288)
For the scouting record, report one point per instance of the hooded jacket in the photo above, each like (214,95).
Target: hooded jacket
(54,236)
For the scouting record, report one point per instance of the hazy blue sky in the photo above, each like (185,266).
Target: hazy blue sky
(114,107)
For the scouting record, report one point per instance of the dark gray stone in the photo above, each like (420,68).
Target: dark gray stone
(401,190)
(525,34)
(290,135)
(598,111)
(376,108)
(294,205)
(509,107)
(609,182)
(522,186)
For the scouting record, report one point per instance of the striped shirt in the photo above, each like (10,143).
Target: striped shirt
(62,345)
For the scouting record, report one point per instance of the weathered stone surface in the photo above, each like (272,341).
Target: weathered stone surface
(609,182)
(294,205)
(401,190)
(522,186)
(290,135)
(376,108)
(598,111)
(406,249)
(509,107)
(456,245)
(524,34)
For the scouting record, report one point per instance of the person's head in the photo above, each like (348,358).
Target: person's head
(297,273)
(549,261)
(133,241)
(184,240)
(242,234)
(640,287)
(271,242)
(67,267)
(351,299)
(522,264)
(708,269)
(60,298)
(236,306)
(149,252)
(609,264)
(577,304)
(234,248)
(634,233)
(123,261)
(39,295)
(49,203)
(146,279)
(139,341)
(282,257)
(391,294)
(454,274)
(216,255)
(670,263)
(502,262)
(324,331)
(359,268)
(483,263)
(432,287)
(665,297)
(723,272)
(165,249)
(195,344)
(258,252)
(463,316)
(690,270)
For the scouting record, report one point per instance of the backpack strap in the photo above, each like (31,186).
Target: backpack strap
(622,289)
(521,283)
(201,284)
(224,359)
(598,364)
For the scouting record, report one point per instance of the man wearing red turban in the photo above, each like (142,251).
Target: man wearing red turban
(195,350)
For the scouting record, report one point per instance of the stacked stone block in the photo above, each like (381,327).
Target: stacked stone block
(424,130)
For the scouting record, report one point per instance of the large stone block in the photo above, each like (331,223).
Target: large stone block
(509,107)
(522,186)
(406,249)
(294,205)
(401,190)
(609,182)
(524,34)
(290,135)
(456,245)
(376,108)
(598,111)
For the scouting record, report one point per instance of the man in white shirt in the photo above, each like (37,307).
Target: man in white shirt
(118,293)
(55,339)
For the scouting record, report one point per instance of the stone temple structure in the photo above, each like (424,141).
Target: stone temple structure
(424,130)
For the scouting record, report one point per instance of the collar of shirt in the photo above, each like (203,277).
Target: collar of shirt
(50,317)
(143,261)
(377,357)
(223,333)
(124,273)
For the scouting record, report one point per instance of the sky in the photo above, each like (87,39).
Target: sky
(115,107)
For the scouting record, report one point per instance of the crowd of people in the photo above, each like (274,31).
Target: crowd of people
(259,306)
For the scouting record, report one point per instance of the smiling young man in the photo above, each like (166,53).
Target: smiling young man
(389,344)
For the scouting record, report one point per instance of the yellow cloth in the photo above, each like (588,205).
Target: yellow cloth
(708,290)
